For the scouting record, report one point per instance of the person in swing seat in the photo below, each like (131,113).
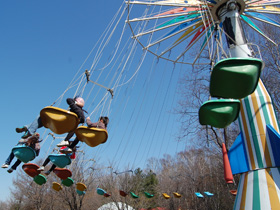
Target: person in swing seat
(102,123)
(76,105)
(33,142)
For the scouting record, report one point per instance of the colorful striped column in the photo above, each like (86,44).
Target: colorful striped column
(259,187)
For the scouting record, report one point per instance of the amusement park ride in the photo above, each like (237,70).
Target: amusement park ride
(234,81)
(169,29)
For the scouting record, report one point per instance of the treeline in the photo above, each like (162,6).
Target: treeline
(190,171)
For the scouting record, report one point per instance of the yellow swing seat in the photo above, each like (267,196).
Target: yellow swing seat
(56,186)
(80,186)
(91,136)
(59,120)
(177,195)
(165,195)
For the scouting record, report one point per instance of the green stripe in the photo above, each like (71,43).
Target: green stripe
(256,192)
(253,132)
(263,106)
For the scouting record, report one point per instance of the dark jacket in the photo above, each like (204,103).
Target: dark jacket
(76,109)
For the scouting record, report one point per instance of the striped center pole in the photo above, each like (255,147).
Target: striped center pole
(258,188)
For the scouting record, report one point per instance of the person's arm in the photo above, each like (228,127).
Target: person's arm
(91,124)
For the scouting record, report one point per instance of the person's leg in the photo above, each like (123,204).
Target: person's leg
(44,164)
(65,142)
(14,167)
(69,149)
(31,128)
(51,169)
(37,123)
(8,161)
(74,143)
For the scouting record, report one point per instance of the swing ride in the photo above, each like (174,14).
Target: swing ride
(234,77)
(170,29)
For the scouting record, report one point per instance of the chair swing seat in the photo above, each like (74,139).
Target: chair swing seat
(208,194)
(31,169)
(62,173)
(56,186)
(100,191)
(235,77)
(40,179)
(80,192)
(59,120)
(219,113)
(60,160)
(123,193)
(24,153)
(68,182)
(91,136)
(107,195)
(80,186)
(148,195)
(177,195)
(166,196)
(233,192)
(199,195)
(134,195)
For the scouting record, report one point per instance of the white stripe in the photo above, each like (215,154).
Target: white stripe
(250,190)
(264,194)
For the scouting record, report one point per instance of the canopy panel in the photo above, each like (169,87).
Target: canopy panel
(59,120)
(91,136)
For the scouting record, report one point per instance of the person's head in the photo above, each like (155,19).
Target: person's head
(105,120)
(79,101)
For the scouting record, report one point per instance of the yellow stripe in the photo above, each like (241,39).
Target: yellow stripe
(270,107)
(258,110)
(247,136)
(273,197)
(244,192)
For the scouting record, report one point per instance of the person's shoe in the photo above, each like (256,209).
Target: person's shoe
(47,173)
(41,168)
(26,135)
(22,129)
(5,165)
(66,150)
(10,170)
(63,143)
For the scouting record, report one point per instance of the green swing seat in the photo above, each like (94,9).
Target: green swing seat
(219,113)
(24,153)
(59,120)
(67,182)
(60,160)
(134,195)
(148,195)
(235,77)
(40,179)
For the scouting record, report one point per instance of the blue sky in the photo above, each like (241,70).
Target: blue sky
(43,45)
